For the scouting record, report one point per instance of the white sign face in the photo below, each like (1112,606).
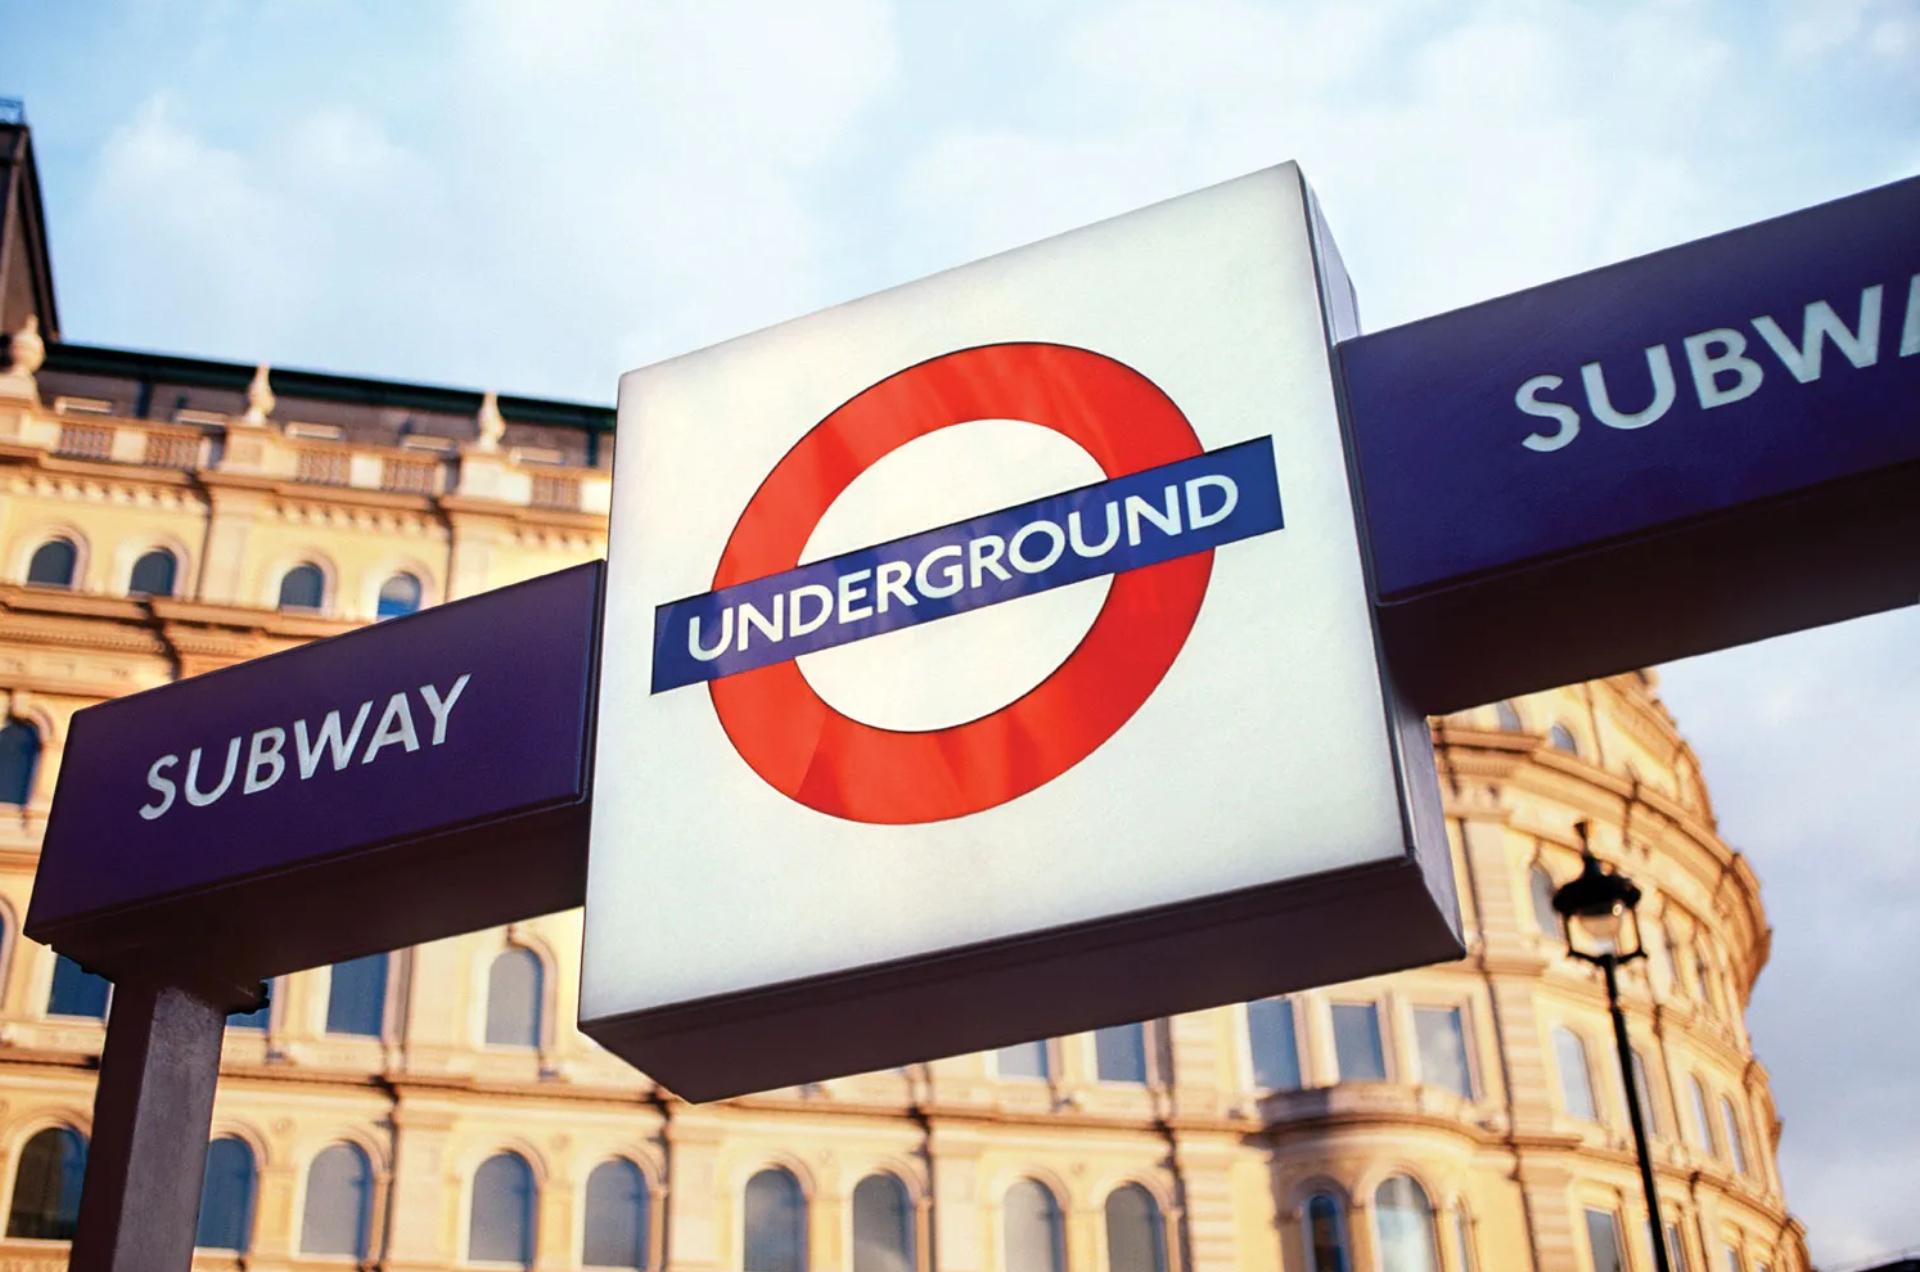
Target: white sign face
(1017,598)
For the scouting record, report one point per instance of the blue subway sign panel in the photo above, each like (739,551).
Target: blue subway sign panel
(1110,527)
(427,774)
(1740,367)
(1672,396)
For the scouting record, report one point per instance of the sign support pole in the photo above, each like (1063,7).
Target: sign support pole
(152,1110)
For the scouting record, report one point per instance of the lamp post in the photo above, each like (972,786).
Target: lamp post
(1598,903)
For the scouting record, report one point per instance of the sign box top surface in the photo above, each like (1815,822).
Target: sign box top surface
(1750,365)
(822,779)
(461,714)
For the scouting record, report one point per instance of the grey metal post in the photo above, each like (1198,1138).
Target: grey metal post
(152,1109)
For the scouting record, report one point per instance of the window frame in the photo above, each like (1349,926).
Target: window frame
(1429,1222)
(1156,1221)
(1592,1113)
(250,1209)
(534,1192)
(805,1195)
(542,1017)
(386,1000)
(1469,1064)
(1291,1005)
(369,1216)
(174,560)
(325,605)
(1343,1231)
(1621,1257)
(1049,1060)
(76,544)
(911,1213)
(18,1157)
(1144,1034)
(1381,1041)
(649,1252)
(35,750)
(1056,1214)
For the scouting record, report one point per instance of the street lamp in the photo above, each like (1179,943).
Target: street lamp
(1597,903)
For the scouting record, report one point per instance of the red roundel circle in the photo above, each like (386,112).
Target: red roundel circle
(837,765)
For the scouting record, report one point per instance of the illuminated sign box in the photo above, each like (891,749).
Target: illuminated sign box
(992,658)
(408,781)
(1704,446)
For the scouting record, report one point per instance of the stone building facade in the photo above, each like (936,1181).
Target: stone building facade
(436,1109)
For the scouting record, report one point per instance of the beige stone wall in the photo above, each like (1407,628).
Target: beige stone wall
(1231,1167)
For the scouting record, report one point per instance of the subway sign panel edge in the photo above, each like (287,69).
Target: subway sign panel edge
(991,657)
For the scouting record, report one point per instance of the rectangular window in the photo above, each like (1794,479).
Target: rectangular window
(1023,1060)
(1120,1054)
(1272,1043)
(1603,1241)
(1676,1249)
(1443,1049)
(1702,1122)
(1733,1260)
(1356,1043)
(1641,1088)
(357,998)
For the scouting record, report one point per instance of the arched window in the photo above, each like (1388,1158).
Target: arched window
(1273,1044)
(1134,1240)
(1576,1079)
(500,1225)
(1023,1060)
(1702,1124)
(19,759)
(339,1202)
(46,1187)
(616,1216)
(399,596)
(1403,1219)
(1034,1240)
(1326,1235)
(1736,1142)
(226,1197)
(514,987)
(304,587)
(53,563)
(1560,738)
(1120,1054)
(775,1223)
(1545,917)
(357,997)
(153,574)
(1508,718)
(882,1226)
(76,991)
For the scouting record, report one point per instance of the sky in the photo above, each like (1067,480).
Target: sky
(536,197)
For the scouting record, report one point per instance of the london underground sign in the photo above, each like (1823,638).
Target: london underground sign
(1153,523)
(1036,647)
(1704,446)
(1111,462)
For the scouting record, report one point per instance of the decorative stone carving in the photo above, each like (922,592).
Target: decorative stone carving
(493,426)
(25,354)
(260,399)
